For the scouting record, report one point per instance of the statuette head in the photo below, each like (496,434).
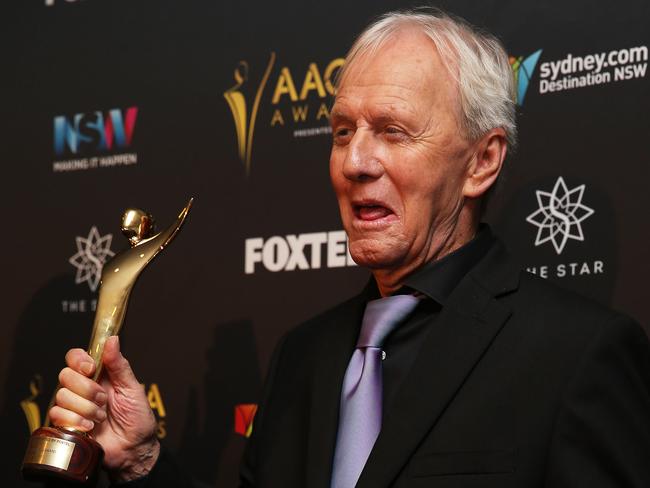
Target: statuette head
(137,225)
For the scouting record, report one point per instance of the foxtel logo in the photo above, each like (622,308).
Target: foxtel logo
(301,251)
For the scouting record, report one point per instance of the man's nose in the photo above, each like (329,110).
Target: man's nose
(362,161)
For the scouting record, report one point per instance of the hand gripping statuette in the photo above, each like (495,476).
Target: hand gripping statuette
(66,453)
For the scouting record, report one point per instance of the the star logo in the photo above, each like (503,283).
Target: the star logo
(92,253)
(559,215)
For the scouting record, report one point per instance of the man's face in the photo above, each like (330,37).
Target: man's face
(399,159)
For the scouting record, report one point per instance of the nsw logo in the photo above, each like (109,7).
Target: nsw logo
(94,130)
(523,69)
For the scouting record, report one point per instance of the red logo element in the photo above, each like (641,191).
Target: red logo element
(244,415)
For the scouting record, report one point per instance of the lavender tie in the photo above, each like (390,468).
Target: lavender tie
(361,395)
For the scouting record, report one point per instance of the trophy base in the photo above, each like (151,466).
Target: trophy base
(63,454)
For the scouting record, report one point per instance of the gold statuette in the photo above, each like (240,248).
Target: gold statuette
(69,454)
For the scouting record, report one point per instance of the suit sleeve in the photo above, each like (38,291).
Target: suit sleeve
(165,474)
(601,436)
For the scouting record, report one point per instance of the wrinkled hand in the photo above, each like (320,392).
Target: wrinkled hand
(115,411)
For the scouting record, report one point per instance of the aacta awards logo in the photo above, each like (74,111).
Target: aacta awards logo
(245,121)
(559,218)
(93,139)
(523,70)
(300,107)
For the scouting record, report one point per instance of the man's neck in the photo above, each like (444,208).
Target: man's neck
(391,280)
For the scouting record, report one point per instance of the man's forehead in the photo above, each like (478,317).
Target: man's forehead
(385,93)
(386,102)
(399,55)
(406,65)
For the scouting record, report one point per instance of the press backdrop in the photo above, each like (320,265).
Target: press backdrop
(111,104)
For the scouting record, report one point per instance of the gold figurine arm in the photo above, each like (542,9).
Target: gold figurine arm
(120,274)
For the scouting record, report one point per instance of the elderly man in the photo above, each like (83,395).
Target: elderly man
(452,367)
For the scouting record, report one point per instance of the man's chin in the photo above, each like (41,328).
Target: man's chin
(374,255)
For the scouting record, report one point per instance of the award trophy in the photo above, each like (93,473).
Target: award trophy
(66,453)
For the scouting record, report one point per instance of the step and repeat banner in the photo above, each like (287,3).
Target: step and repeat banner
(142,103)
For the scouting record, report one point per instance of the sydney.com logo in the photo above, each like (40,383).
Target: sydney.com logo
(573,71)
(523,69)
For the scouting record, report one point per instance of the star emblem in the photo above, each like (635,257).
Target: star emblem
(559,215)
(92,253)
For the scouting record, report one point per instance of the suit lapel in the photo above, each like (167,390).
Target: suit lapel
(332,356)
(456,341)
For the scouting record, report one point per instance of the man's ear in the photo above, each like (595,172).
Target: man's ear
(485,166)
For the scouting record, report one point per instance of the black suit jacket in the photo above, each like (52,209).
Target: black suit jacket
(517,384)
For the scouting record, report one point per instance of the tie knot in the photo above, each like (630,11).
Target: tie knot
(381,317)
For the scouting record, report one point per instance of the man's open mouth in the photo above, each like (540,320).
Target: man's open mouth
(371,211)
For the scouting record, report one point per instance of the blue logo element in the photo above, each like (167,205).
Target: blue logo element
(104,131)
(523,70)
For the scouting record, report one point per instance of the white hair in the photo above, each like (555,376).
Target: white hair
(475,59)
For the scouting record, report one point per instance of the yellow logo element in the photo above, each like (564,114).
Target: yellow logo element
(293,104)
(313,82)
(29,405)
(245,125)
(320,85)
(157,405)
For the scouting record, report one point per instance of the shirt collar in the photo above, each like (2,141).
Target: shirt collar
(437,279)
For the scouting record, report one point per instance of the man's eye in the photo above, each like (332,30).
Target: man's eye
(395,134)
(342,134)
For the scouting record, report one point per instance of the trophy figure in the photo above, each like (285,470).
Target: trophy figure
(66,453)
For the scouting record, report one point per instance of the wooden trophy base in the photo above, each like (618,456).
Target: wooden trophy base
(60,453)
